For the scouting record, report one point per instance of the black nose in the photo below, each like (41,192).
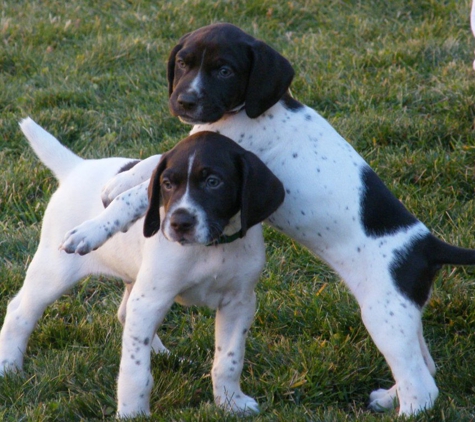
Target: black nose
(187,101)
(182,221)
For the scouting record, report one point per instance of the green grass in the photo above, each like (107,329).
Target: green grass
(394,77)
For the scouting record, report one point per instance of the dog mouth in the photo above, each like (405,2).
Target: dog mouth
(182,239)
(191,120)
(198,117)
(184,242)
(199,114)
(192,239)
(189,238)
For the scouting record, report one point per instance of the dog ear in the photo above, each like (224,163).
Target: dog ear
(261,191)
(171,63)
(270,77)
(152,216)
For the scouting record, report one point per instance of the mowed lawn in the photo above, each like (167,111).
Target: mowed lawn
(394,77)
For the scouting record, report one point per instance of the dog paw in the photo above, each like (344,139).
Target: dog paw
(85,238)
(115,186)
(158,347)
(239,404)
(383,400)
(8,366)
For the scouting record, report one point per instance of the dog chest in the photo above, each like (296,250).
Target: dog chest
(222,270)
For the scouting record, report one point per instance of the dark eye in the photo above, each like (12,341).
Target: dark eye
(166,184)
(213,182)
(225,72)
(180,63)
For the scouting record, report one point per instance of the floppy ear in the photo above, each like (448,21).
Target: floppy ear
(151,223)
(171,63)
(269,79)
(261,191)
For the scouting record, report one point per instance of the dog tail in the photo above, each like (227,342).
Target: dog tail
(444,253)
(59,159)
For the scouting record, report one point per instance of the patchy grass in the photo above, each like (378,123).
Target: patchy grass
(394,77)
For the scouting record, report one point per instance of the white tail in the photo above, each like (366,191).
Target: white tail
(59,159)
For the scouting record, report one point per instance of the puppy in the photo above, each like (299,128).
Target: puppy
(202,246)
(224,80)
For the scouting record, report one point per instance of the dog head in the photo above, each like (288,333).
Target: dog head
(219,69)
(205,182)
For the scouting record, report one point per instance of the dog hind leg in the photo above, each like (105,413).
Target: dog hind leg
(47,278)
(425,352)
(394,323)
(382,399)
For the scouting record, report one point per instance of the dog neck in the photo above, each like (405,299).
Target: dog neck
(237,109)
(231,232)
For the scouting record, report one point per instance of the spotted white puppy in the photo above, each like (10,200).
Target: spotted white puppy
(223,80)
(210,195)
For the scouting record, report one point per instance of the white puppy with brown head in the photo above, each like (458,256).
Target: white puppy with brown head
(207,196)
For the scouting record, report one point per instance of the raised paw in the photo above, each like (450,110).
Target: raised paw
(86,237)
(383,400)
(239,404)
(115,186)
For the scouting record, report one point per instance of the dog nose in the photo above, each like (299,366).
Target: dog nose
(182,221)
(187,101)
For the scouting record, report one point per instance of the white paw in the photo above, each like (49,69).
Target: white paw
(239,403)
(414,404)
(7,365)
(86,237)
(115,186)
(158,347)
(383,400)
(132,413)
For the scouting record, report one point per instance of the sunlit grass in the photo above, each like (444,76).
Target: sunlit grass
(394,77)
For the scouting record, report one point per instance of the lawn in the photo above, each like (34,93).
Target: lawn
(394,77)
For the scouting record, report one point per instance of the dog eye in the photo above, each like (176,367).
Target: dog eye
(181,64)
(225,72)
(213,182)
(167,185)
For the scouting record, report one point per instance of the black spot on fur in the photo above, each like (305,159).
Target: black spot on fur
(412,270)
(128,166)
(381,212)
(291,103)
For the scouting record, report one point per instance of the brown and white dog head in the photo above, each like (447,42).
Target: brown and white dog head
(218,69)
(205,181)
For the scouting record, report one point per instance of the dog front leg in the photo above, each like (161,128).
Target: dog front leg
(127,208)
(126,180)
(233,321)
(145,311)
(157,345)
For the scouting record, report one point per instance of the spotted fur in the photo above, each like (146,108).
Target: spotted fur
(158,270)
(335,205)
